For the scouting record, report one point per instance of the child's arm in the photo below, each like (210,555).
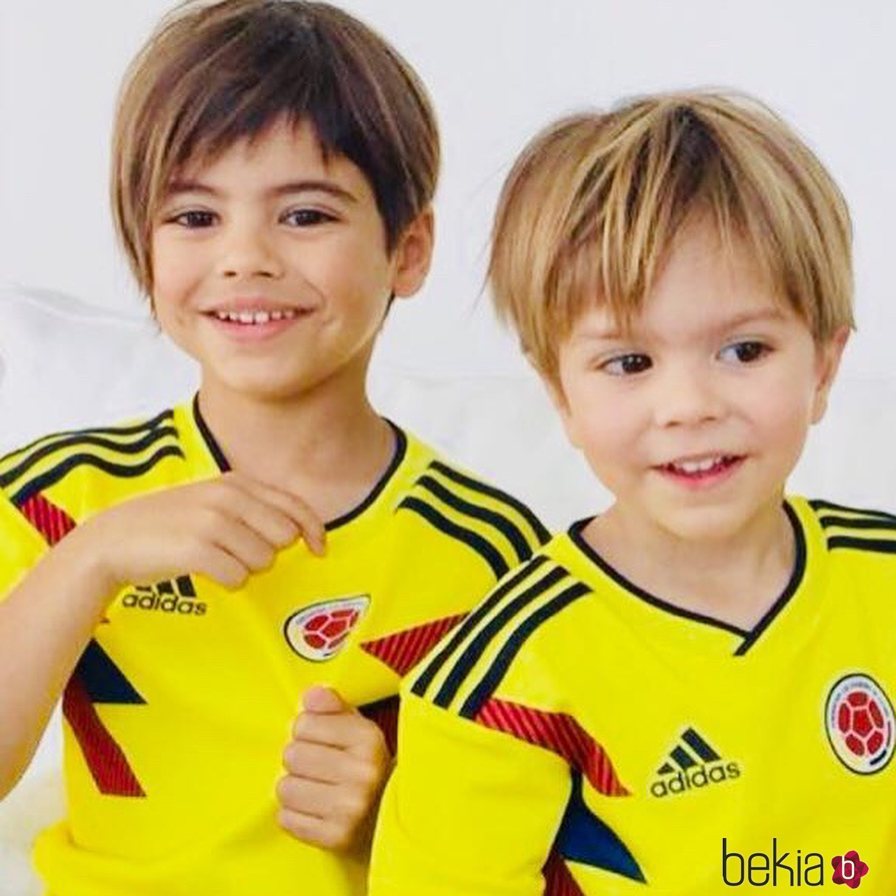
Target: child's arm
(468,812)
(224,529)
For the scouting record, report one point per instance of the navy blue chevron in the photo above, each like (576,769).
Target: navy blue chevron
(585,839)
(97,679)
(102,679)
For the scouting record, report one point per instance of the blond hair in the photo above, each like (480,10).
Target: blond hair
(216,73)
(594,202)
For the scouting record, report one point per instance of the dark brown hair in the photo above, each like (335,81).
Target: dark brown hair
(215,73)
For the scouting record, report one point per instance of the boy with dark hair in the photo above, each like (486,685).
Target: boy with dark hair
(273,170)
(692,689)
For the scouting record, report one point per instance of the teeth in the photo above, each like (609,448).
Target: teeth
(698,466)
(256,317)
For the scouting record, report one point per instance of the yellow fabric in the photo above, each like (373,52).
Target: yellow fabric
(198,686)
(475,807)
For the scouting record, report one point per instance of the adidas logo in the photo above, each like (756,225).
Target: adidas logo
(692,764)
(175,596)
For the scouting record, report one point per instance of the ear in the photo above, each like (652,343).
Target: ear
(827,361)
(413,254)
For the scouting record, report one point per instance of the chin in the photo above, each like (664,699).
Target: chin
(706,524)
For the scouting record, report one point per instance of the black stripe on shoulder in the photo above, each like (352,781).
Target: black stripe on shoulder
(472,539)
(873,545)
(474,650)
(52,476)
(821,506)
(538,528)
(131,429)
(855,522)
(500,522)
(513,645)
(83,440)
(434,666)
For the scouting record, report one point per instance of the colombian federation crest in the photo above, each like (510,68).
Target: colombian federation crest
(860,724)
(319,632)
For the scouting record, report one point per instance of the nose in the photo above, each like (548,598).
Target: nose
(249,251)
(688,394)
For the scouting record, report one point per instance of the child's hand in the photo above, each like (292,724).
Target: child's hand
(223,528)
(336,768)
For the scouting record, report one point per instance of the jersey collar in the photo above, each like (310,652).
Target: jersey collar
(223,465)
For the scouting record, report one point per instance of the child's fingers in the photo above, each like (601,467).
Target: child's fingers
(346,731)
(323,699)
(244,543)
(291,506)
(312,830)
(328,765)
(218,565)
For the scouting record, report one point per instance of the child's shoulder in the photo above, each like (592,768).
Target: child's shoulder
(466,507)
(504,631)
(55,479)
(854,534)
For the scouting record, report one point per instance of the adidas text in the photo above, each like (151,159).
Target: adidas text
(169,604)
(695,778)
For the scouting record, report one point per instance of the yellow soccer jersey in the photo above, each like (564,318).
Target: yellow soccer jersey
(576,735)
(180,708)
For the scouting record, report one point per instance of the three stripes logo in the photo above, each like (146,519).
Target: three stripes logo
(177,596)
(691,764)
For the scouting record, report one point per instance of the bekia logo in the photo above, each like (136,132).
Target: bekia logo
(860,724)
(319,632)
(692,764)
(788,869)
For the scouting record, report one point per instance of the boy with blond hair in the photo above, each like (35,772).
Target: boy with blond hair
(692,689)
(274,166)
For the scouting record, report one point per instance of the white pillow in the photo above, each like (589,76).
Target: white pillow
(65,364)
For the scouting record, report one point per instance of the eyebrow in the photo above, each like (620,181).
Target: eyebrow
(290,188)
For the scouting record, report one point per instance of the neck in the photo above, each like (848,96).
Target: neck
(734,579)
(329,449)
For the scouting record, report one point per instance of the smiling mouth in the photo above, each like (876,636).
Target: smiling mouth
(702,468)
(258,318)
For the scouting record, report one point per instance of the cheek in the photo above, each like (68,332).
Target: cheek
(782,412)
(597,421)
(173,270)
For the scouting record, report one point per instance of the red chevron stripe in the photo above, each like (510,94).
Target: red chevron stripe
(402,651)
(558,732)
(105,759)
(51,521)
(558,879)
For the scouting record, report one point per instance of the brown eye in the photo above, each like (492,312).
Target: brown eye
(194,219)
(626,365)
(306,217)
(744,352)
